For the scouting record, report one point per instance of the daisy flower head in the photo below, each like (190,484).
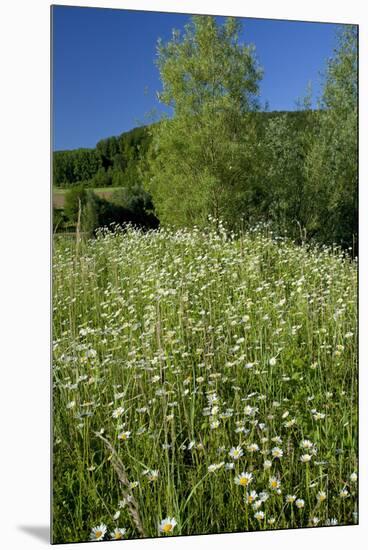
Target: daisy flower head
(306,444)
(152,475)
(290,499)
(299,503)
(259,515)
(274,483)
(353,477)
(306,458)
(321,496)
(167,525)
(267,464)
(123,436)
(277,452)
(257,504)
(117,534)
(252,448)
(263,496)
(243,479)
(236,452)
(118,412)
(318,416)
(290,423)
(98,532)
(249,411)
(214,467)
(250,497)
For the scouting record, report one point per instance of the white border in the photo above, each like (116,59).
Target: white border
(25,267)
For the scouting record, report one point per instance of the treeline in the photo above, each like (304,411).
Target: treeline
(114,162)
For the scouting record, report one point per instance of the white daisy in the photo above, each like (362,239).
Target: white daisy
(236,452)
(118,533)
(277,452)
(243,479)
(123,436)
(98,532)
(306,458)
(321,496)
(274,483)
(167,525)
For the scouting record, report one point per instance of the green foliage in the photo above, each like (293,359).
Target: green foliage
(58,218)
(102,178)
(204,156)
(332,165)
(113,159)
(71,167)
(73,198)
(286,142)
(98,212)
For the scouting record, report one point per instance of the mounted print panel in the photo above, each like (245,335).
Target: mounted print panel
(204,274)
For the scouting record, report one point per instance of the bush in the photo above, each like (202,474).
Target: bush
(71,204)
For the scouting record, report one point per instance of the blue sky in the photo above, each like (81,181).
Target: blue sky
(105,79)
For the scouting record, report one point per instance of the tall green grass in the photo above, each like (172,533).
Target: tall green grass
(173,348)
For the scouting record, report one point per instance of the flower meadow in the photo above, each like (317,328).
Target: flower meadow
(203,382)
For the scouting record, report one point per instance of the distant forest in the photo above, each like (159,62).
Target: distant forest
(113,162)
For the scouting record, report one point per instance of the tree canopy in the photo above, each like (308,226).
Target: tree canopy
(203,156)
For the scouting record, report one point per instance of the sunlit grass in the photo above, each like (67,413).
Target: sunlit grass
(202,384)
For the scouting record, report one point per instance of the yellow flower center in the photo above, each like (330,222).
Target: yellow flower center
(167,527)
(274,484)
(98,534)
(118,535)
(243,481)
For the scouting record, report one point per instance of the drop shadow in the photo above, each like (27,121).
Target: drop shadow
(40,532)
